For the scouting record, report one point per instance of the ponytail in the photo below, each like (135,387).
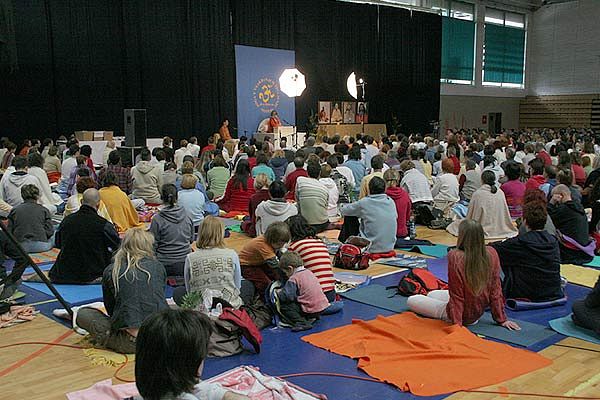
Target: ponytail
(169,194)
(489,178)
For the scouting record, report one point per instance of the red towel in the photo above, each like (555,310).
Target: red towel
(377,256)
(425,356)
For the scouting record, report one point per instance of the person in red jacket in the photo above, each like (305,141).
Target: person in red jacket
(401,200)
(542,154)
(261,193)
(239,189)
(536,166)
(451,152)
(473,283)
(290,181)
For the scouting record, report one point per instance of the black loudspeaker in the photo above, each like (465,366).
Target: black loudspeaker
(135,127)
(128,155)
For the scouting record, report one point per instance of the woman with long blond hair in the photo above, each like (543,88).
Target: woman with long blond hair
(473,283)
(133,287)
(212,266)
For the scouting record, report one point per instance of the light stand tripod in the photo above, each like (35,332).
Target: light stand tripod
(38,271)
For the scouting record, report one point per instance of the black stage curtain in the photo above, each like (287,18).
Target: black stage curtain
(83,61)
(396,51)
(264,23)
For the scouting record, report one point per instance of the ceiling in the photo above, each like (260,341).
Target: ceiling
(528,4)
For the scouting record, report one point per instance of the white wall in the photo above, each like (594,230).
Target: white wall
(466,111)
(564,42)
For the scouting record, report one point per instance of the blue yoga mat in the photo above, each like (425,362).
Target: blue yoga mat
(438,267)
(404,261)
(595,263)
(43,267)
(566,326)
(437,250)
(378,296)
(529,334)
(71,293)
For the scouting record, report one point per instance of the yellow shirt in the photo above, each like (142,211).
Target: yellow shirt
(122,212)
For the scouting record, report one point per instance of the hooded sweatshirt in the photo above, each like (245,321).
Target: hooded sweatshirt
(403,206)
(278,164)
(11,187)
(334,195)
(276,210)
(531,265)
(173,232)
(147,181)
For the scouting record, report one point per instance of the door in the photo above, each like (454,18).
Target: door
(494,122)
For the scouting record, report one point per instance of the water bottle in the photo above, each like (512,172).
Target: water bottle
(412,228)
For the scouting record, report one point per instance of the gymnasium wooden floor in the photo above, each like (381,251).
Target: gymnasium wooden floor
(48,372)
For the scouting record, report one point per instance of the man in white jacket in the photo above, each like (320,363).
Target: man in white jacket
(277,209)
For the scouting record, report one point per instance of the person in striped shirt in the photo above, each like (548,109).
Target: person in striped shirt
(313,252)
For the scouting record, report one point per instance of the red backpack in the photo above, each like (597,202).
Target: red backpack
(420,281)
(352,257)
(244,322)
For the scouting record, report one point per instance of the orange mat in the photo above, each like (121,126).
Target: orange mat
(424,356)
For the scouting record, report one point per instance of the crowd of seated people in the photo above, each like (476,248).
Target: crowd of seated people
(540,204)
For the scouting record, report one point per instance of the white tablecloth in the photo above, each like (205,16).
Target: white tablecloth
(98,147)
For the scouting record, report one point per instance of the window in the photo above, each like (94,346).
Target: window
(504,49)
(458,43)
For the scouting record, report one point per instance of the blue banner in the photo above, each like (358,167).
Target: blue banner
(257,74)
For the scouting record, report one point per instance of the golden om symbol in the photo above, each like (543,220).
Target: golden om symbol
(266,94)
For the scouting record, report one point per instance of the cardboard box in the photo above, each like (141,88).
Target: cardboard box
(88,136)
(84,136)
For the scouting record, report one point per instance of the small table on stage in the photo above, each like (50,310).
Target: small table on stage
(374,130)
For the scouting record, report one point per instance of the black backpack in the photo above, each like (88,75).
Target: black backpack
(343,187)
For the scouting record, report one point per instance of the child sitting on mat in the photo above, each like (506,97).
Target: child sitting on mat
(258,258)
(169,358)
(473,283)
(301,298)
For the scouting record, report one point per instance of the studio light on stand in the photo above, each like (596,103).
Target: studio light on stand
(353,84)
(293,83)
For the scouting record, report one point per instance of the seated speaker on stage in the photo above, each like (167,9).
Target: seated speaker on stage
(274,122)
(263,126)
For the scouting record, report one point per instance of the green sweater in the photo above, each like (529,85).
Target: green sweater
(217,180)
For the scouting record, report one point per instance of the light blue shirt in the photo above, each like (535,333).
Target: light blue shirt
(263,169)
(358,170)
(375,213)
(192,201)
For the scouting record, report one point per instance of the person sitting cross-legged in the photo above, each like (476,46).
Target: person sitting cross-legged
(86,241)
(301,299)
(375,213)
(531,261)
(31,223)
(121,209)
(133,288)
(571,224)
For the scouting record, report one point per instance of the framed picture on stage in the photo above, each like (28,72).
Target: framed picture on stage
(349,111)
(324,112)
(362,113)
(336,112)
